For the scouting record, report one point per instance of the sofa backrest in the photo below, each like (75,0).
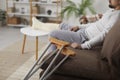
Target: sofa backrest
(111,48)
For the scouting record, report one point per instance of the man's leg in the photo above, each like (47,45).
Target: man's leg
(51,48)
(68,36)
(65,26)
(62,26)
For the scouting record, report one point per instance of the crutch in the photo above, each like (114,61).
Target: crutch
(61,47)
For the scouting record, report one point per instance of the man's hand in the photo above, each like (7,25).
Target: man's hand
(100,16)
(83,20)
(74,29)
(76,46)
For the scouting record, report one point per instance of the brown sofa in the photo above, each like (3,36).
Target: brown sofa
(100,63)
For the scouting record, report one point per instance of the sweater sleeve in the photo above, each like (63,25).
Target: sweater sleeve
(84,25)
(95,41)
(100,38)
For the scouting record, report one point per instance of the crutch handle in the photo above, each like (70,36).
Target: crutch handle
(60,43)
(69,52)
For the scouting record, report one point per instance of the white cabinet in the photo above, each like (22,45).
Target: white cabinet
(26,9)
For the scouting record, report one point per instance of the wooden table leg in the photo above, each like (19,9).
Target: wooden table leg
(23,44)
(36,48)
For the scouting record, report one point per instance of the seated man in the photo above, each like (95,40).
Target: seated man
(91,35)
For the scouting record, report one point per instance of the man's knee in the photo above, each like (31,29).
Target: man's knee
(64,26)
(61,26)
(53,33)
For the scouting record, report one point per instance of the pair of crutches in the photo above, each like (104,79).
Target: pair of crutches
(61,48)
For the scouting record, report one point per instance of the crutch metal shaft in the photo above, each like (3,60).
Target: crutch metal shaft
(26,77)
(61,48)
(50,65)
(42,63)
(50,73)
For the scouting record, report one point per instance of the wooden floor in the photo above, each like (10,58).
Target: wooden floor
(8,36)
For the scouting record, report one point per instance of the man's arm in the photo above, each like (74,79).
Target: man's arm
(76,28)
(95,41)
(100,38)
(90,19)
(84,20)
(91,43)
(87,21)
(94,18)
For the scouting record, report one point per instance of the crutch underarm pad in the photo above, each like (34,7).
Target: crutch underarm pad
(60,43)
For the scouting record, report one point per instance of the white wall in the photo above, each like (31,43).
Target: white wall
(3,4)
(100,5)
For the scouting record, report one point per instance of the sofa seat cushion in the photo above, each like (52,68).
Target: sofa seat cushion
(86,63)
(64,77)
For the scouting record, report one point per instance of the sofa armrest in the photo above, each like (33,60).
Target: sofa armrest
(115,66)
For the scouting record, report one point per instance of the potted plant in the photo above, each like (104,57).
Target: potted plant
(77,9)
(2,16)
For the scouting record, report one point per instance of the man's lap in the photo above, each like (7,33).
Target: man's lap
(68,36)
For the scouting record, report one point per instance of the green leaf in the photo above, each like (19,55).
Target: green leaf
(77,9)
(71,3)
